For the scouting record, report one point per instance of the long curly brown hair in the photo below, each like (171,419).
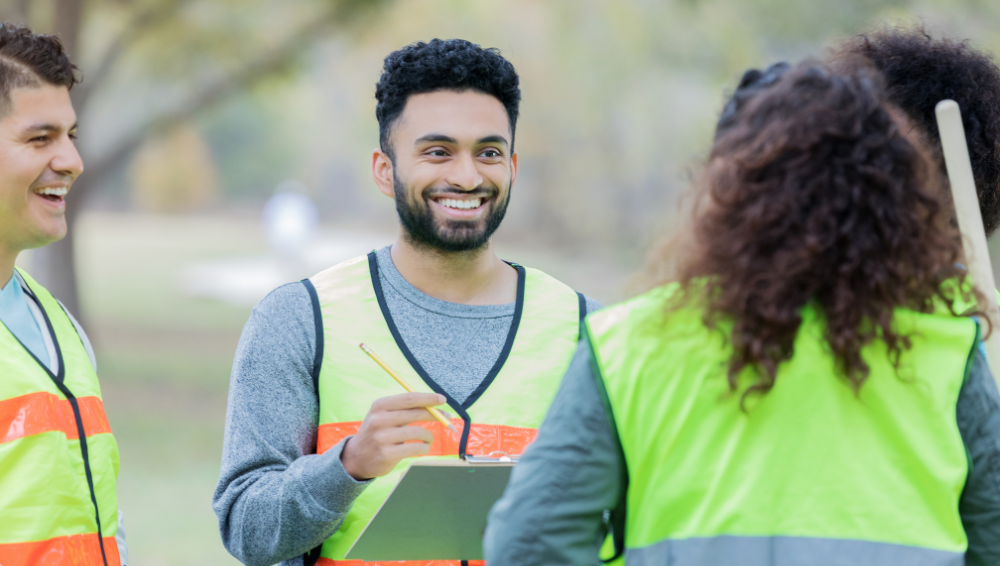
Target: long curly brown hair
(813,195)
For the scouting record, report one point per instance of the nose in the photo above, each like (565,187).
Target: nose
(464,175)
(67,160)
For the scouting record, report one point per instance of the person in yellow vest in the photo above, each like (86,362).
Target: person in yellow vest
(58,458)
(316,433)
(801,390)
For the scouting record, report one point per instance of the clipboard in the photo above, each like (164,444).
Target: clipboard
(437,511)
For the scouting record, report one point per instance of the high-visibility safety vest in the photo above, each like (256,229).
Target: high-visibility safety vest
(58,458)
(500,416)
(811,473)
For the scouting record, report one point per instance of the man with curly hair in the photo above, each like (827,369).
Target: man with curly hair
(919,72)
(316,434)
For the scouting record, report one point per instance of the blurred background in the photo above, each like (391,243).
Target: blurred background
(194,113)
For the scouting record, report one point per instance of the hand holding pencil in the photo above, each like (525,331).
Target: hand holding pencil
(434,412)
(385,437)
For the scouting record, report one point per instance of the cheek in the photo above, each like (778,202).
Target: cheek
(17,177)
(414,190)
(13,198)
(499,176)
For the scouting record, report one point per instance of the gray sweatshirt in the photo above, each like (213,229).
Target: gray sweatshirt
(553,509)
(276,499)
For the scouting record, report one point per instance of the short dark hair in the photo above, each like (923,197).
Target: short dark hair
(28,59)
(919,72)
(452,64)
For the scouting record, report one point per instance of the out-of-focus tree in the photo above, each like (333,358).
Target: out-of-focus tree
(174,172)
(177,58)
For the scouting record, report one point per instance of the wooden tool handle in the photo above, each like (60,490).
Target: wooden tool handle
(970,221)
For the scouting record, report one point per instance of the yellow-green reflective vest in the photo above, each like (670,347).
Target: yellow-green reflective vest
(58,458)
(500,416)
(811,474)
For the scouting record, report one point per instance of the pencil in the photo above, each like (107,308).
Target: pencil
(433,411)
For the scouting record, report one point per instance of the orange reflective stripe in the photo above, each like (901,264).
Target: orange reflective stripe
(40,412)
(483,438)
(328,562)
(74,550)
(330,434)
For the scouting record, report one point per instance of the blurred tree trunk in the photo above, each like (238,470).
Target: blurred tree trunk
(67,24)
(16,11)
(55,264)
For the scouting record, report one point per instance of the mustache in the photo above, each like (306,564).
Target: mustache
(64,179)
(480,191)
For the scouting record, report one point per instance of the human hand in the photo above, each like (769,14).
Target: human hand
(385,436)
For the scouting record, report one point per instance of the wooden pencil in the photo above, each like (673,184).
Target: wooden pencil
(432,410)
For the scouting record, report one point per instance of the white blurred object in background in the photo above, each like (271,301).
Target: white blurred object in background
(290,220)
(290,223)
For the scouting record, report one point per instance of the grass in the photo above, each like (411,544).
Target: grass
(164,362)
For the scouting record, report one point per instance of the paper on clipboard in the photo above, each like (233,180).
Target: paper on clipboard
(437,511)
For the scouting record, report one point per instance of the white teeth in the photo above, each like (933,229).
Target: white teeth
(59,192)
(461,204)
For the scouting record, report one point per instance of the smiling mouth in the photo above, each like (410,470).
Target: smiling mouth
(52,194)
(460,204)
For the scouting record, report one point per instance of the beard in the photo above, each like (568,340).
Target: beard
(446,235)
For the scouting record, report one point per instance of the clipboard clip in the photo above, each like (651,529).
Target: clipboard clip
(503,458)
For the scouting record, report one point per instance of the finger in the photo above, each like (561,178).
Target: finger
(408,401)
(403,434)
(400,451)
(402,418)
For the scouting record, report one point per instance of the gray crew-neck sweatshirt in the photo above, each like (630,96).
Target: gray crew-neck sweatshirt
(276,499)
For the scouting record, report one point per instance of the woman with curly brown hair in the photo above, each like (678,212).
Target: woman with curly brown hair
(802,391)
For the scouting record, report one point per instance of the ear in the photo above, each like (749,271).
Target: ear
(382,173)
(513,167)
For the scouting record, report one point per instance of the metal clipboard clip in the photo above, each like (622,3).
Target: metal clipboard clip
(503,458)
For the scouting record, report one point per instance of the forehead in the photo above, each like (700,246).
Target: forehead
(460,115)
(46,104)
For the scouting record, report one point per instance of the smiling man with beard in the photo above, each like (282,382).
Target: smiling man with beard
(316,433)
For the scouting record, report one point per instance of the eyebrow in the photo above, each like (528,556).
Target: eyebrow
(493,139)
(47,128)
(441,138)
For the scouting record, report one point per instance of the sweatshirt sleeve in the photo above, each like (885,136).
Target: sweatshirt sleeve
(276,499)
(979,425)
(553,509)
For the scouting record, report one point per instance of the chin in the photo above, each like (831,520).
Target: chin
(52,234)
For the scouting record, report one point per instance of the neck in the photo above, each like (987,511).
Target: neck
(7,259)
(474,277)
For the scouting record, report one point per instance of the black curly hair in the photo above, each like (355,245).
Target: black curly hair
(919,72)
(450,64)
(28,59)
(752,83)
